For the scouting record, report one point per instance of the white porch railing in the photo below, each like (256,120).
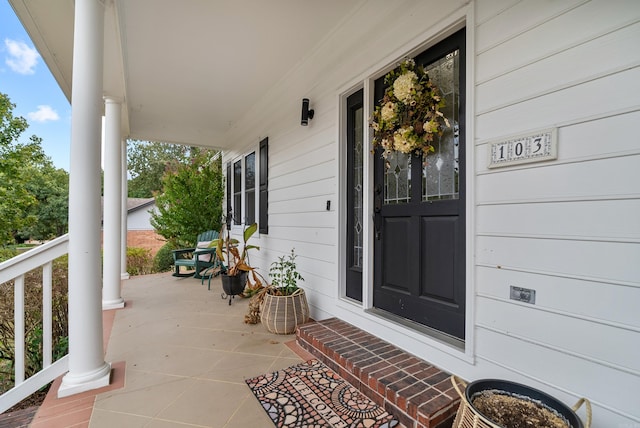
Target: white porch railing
(15,269)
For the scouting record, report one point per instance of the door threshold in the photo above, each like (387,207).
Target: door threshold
(422,329)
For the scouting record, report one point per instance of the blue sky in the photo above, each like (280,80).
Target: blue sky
(25,78)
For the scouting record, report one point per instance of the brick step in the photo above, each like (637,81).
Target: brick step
(419,394)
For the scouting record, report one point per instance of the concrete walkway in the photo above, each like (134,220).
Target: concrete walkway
(182,354)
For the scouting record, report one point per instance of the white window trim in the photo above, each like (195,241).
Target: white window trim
(255,150)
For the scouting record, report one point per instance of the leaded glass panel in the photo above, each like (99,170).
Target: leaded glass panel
(358,160)
(441,169)
(397,178)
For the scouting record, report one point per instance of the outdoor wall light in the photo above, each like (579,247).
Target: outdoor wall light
(307,114)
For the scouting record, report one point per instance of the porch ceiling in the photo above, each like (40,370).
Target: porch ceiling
(187,70)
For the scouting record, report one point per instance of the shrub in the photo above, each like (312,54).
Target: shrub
(191,198)
(163,261)
(7,253)
(139,261)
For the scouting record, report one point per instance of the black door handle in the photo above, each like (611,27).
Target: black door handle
(377,201)
(377,209)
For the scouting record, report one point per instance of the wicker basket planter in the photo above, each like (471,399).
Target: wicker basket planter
(282,314)
(469,417)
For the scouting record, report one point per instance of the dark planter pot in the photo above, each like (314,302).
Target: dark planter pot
(234,285)
(513,388)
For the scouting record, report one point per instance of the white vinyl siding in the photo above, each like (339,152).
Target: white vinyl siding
(568,228)
(140,219)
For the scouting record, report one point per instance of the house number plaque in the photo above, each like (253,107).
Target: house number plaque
(536,147)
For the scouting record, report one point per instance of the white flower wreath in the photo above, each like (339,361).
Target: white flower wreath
(408,117)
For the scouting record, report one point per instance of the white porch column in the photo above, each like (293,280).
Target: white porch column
(87,367)
(112,210)
(124,228)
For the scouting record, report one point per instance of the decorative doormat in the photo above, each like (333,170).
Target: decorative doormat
(310,395)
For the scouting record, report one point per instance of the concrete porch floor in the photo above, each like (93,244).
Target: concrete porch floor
(184,353)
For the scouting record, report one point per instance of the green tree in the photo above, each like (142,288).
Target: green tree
(147,163)
(191,202)
(17,161)
(50,186)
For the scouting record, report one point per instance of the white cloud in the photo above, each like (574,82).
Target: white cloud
(22,58)
(44,114)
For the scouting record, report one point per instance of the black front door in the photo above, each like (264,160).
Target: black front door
(419,249)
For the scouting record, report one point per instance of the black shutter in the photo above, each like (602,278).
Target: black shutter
(229,178)
(263,220)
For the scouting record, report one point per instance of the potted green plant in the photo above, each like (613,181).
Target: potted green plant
(284,304)
(236,263)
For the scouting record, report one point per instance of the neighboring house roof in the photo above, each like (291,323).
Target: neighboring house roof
(134,204)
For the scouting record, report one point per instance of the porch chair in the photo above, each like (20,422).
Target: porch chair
(198,258)
(213,271)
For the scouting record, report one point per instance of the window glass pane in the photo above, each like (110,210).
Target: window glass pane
(250,171)
(250,188)
(440,173)
(397,178)
(237,192)
(358,159)
(250,206)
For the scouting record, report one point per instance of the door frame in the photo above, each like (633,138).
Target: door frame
(352,276)
(367,199)
(364,312)
(422,220)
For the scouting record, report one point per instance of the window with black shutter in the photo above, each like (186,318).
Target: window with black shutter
(237,192)
(263,217)
(229,206)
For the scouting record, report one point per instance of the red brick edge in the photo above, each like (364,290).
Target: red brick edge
(419,394)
